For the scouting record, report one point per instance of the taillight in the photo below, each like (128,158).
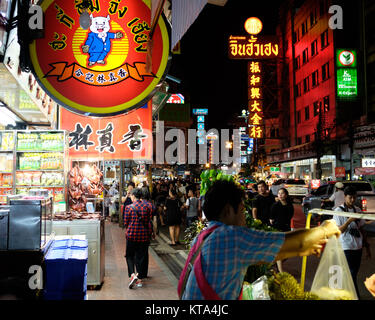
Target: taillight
(364,204)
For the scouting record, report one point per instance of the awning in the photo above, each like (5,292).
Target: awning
(184,13)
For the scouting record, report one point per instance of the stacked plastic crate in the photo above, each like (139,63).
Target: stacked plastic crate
(66,270)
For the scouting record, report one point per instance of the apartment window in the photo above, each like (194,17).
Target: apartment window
(316,108)
(304,28)
(324,39)
(305,56)
(299,117)
(298,89)
(299,140)
(307,113)
(322,6)
(297,63)
(296,36)
(314,48)
(315,78)
(326,104)
(325,71)
(307,138)
(313,18)
(306,84)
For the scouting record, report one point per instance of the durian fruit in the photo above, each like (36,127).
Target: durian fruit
(283,286)
(326,293)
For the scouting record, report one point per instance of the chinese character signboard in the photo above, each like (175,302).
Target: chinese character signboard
(347,84)
(340,172)
(126,137)
(368,163)
(255,96)
(253,47)
(100,71)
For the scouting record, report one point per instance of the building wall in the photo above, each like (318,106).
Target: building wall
(300,126)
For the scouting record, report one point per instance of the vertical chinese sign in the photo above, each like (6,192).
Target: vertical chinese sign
(125,137)
(254,48)
(99,71)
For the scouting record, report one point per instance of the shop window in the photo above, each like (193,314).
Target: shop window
(307,138)
(306,84)
(314,47)
(295,36)
(298,91)
(325,71)
(305,56)
(324,39)
(307,113)
(326,103)
(315,78)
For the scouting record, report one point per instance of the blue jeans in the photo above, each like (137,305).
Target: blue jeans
(190,220)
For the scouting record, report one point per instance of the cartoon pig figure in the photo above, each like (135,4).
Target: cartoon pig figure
(98,42)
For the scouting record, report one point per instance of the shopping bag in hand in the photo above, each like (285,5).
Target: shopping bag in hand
(333,280)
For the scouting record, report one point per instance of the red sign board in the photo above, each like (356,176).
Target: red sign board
(340,172)
(123,137)
(101,70)
(315,183)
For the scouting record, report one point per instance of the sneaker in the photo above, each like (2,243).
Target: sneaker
(139,283)
(133,280)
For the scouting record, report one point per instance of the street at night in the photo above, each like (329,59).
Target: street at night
(175,151)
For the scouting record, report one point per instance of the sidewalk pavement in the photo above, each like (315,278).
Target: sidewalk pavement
(159,286)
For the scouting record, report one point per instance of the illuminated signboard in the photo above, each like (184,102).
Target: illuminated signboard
(347,82)
(200,126)
(102,70)
(346,74)
(176,98)
(255,95)
(346,58)
(368,163)
(253,25)
(201,112)
(252,47)
(200,119)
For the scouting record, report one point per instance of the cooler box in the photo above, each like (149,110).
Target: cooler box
(66,270)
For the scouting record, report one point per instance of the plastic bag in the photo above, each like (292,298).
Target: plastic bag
(333,280)
(258,290)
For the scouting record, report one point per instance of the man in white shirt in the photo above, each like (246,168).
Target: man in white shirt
(338,196)
(353,237)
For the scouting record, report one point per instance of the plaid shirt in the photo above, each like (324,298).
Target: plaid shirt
(227,253)
(136,230)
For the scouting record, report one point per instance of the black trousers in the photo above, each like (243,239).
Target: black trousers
(137,258)
(354,258)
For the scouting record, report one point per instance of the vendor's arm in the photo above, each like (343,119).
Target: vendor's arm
(306,242)
(255,213)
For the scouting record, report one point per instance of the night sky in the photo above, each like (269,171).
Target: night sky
(209,78)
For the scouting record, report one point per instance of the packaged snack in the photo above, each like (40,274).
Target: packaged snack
(20,179)
(36,178)
(28,178)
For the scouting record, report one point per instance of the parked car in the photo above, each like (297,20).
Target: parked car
(297,188)
(365,196)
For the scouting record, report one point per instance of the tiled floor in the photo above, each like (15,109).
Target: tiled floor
(115,286)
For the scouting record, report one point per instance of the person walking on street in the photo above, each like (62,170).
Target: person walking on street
(138,216)
(172,209)
(127,199)
(282,212)
(227,247)
(338,197)
(263,202)
(353,238)
(191,206)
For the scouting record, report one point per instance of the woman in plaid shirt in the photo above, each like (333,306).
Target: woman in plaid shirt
(137,222)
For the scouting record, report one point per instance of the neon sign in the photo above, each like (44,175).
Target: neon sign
(251,47)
